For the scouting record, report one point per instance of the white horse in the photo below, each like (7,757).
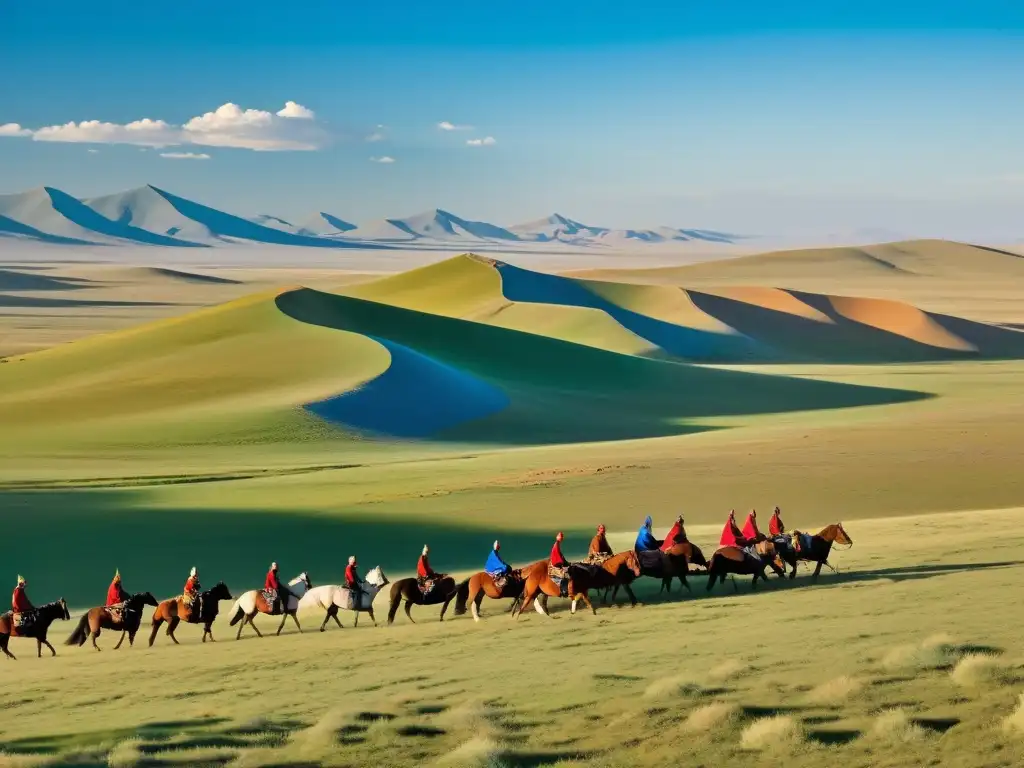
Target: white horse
(332,597)
(252,602)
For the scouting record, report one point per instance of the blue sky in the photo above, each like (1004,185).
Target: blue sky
(776,118)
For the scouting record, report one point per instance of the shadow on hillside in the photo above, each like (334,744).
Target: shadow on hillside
(68,543)
(563,392)
(18,280)
(42,301)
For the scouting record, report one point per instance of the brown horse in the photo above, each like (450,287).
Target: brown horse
(480,585)
(443,592)
(665,565)
(174,611)
(40,623)
(582,578)
(813,548)
(734,560)
(129,617)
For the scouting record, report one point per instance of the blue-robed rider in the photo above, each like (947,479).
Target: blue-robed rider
(645,537)
(495,566)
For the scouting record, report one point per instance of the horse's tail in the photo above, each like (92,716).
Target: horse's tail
(462,597)
(236,613)
(81,632)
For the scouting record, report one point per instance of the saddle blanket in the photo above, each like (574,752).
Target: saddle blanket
(651,559)
(500,580)
(752,553)
(23,620)
(805,542)
(116,612)
(426,586)
(597,558)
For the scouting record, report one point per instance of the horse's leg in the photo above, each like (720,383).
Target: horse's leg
(94,635)
(757,575)
(355,623)
(395,602)
(4,639)
(590,605)
(123,633)
(408,610)
(793,574)
(171,626)
(327,617)
(817,570)
(446,604)
(632,597)
(337,620)
(156,626)
(284,618)
(238,635)
(295,618)
(252,623)
(372,617)
(44,641)
(541,605)
(475,604)
(208,630)
(528,597)
(39,648)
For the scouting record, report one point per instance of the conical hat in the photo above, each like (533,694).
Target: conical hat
(21,579)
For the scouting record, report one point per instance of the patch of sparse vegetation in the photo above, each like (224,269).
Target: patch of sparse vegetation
(710,716)
(895,726)
(835,691)
(777,731)
(673,687)
(981,670)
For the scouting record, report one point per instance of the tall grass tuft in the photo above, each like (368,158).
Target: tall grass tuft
(778,731)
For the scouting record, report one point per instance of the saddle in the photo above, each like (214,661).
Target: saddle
(117,612)
(23,621)
(426,585)
(500,580)
(751,555)
(597,558)
(561,577)
(651,560)
(193,605)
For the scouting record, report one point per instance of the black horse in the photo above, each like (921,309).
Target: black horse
(814,548)
(443,592)
(36,627)
(733,560)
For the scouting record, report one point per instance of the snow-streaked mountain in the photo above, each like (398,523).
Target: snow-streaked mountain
(436,225)
(556,228)
(320,224)
(152,216)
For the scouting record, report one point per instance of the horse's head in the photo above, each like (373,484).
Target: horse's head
(842,537)
(220,591)
(148,599)
(376,578)
(64,612)
(633,562)
(303,579)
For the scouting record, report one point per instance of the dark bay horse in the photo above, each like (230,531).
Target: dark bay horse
(174,611)
(734,560)
(443,592)
(45,615)
(472,591)
(582,578)
(99,618)
(813,548)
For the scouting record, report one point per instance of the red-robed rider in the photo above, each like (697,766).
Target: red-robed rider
(731,535)
(750,530)
(19,600)
(423,569)
(775,526)
(115,592)
(675,535)
(557,558)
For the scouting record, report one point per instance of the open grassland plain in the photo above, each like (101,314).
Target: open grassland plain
(228,418)
(909,656)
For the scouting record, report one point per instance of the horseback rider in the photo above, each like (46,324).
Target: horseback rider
(558,566)
(20,603)
(424,573)
(750,529)
(116,597)
(676,535)
(599,550)
(496,567)
(352,582)
(775,526)
(731,534)
(645,540)
(191,591)
(276,594)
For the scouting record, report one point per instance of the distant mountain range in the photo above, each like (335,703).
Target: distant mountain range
(152,216)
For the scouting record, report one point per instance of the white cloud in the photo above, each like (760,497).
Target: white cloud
(385,160)
(145,132)
(13,129)
(293,110)
(183,155)
(231,126)
(92,151)
(444,125)
(292,128)
(488,141)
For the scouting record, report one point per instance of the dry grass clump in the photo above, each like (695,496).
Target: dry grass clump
(771,732)
(470,715)
(670,687)
(126,754)
(710,716)
(978,670)
(1014,722)
(478,752)
(894,726)
(934,653)
(726,670)
(835,691)
(319,740)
